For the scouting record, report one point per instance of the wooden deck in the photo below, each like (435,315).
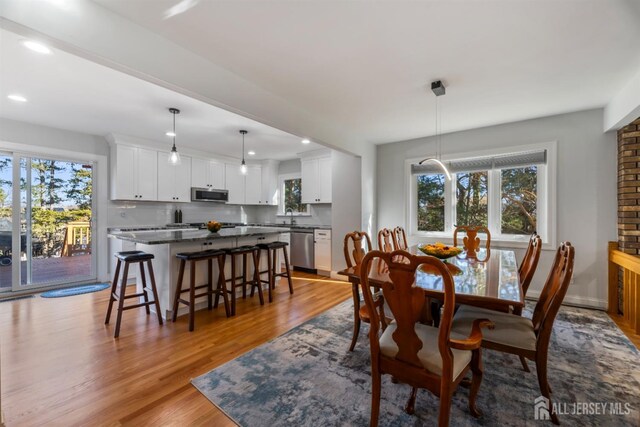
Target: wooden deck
(51,270)
(62,366)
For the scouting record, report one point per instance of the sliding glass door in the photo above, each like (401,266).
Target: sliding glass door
(47,220)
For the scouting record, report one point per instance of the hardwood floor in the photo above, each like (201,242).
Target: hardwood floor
(62,366)
(626,329)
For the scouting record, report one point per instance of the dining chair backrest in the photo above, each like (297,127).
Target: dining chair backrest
(406,302)
(356,245)
(400,239)
(386,241)
(529,263)
(471,241)
(552,295)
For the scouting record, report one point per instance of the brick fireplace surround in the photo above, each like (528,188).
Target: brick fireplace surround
(629,188)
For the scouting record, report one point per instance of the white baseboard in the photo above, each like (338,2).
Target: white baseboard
(574,300)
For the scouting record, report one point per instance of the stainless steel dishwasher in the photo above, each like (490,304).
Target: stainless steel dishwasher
(302,248)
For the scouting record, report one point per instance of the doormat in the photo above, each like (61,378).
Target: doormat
(16,298)
(76,290)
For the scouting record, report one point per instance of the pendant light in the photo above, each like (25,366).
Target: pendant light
(438,89)
(174,156)
(243,165)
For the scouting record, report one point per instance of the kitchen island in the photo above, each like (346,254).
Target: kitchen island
(165,244)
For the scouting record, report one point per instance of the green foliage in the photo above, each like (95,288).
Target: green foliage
(48,227)
(519,200)
(471,198)
(293,195)
(45,184)
(79,186)
(431,202)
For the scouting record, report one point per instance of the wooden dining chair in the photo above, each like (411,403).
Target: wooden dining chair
(529,264)
(521,336)
(471,241)
(415,354)
(386,240)
(354,252)
(400,239)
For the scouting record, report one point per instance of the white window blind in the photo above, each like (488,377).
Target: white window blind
(505,161)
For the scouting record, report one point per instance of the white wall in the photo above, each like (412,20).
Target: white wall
(624,107)
(586,188)
(346,197)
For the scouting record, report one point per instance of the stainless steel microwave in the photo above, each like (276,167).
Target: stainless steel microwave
(209,195)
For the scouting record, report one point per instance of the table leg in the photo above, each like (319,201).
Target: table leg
(356,313)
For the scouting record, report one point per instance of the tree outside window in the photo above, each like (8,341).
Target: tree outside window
(519,200)
(431,202)
(472,199)
(292,196)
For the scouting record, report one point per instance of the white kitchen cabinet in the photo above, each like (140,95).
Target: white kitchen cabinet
(134,173)
(253,185)
(174,181)
(270,193)
(322,250)
(207,173)
(316,180)
(234,182)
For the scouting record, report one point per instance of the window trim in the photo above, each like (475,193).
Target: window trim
(547,179)
(281,179)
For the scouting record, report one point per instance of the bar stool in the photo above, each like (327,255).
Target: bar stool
(271,270)
(193,258)
(245,251)
(130,257)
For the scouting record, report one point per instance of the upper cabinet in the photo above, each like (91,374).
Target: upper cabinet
(270,194)
(316,179)
(174,181)
(234,182)
(134,173)
(207,174)
(253,185)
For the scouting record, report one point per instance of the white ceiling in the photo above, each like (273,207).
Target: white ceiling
(69,92)
(365,65)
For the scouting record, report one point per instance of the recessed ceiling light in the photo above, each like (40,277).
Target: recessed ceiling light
(251,153)
(36,47)
(305,141)
(18,98)
(170,134)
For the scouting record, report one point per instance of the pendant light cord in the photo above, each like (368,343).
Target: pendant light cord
(174,130)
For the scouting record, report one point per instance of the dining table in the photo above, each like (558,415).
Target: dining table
(488,278)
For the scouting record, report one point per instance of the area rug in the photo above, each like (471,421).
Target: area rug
(76,290)
(307,377)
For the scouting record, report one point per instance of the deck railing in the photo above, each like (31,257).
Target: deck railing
(77,238)
(630,267)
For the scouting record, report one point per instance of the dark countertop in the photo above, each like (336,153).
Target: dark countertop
(159,237)
(128,228)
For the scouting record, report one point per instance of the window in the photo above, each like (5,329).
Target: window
(472,206)
(519,200)
(431,202)
(508,193)
(291,191)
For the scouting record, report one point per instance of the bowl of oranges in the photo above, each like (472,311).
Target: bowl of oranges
(214,226)
(440,250)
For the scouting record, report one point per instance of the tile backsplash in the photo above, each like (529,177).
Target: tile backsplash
(132,213)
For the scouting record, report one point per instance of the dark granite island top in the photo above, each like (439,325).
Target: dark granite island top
(159,237)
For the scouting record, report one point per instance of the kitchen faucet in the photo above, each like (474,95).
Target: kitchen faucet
(289,210)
